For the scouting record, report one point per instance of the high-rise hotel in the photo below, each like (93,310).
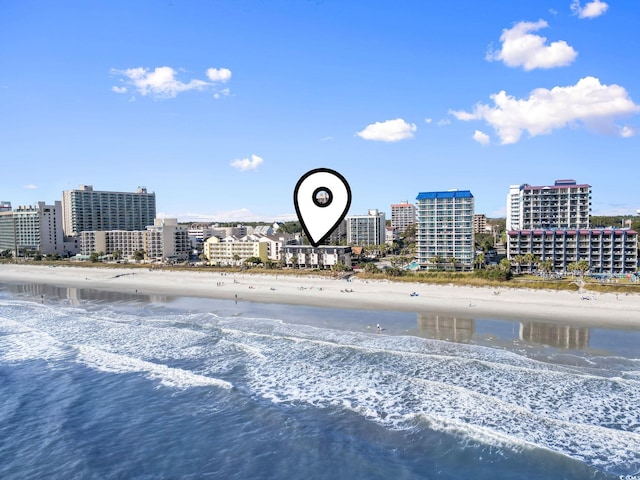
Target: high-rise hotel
(565,204)
(86,209)
(444,229)
(552,223)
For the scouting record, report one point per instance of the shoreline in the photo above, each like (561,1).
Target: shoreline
(601,309)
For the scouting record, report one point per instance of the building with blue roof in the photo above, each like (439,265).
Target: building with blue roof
(444,230)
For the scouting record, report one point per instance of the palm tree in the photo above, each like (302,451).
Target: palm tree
(530,259)
(480,260)
(546,266)
(236,258)
(505,265)
(518,260)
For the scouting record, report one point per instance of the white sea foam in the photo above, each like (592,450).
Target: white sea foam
(19,343)
(493,396)
(590,412)
(168,376)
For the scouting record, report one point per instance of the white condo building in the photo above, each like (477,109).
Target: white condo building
(565,204)
(366,229)
(164,241)
(322,256)
(444,230)
(86,209)
(34,229)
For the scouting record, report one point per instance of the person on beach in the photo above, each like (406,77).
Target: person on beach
(378,328)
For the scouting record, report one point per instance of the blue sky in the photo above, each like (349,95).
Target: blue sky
(220,106)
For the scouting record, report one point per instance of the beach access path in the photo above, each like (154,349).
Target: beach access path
(589,309)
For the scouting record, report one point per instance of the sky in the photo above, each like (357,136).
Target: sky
(219,107)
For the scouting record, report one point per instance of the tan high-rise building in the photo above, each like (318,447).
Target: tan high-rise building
(403,215)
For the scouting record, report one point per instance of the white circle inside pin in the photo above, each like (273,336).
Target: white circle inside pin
(322,197)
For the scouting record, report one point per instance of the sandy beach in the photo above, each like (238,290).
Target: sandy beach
(589,309)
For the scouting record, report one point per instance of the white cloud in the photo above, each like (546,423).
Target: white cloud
(31,187)
(481,137)
(246,163)
(219,74)
(588,103)
(162,82)
(626,131)
(388,131)
(521,48)
(225,92)
(443,122)
(592,9)
(428,120)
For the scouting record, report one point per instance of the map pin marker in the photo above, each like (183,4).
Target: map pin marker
(322,198)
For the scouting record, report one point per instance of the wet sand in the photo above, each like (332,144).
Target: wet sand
(608,310)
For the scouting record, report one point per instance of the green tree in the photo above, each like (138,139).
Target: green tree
(505,265)
(480,260)
(546,266)
(530,259)
(253,261)
(519,261)
(138,255)
(371,268)
(117,254)
(484,241)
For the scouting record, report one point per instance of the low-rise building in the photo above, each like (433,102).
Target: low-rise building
(608,250)
(108,242)
(233,251)
(322,256)
(164,241)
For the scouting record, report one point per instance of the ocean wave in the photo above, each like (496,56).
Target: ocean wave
(168,376)
(589,411)
(487,394)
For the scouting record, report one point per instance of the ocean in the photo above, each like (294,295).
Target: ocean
(104,385)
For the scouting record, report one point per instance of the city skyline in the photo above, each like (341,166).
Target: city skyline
(220,108)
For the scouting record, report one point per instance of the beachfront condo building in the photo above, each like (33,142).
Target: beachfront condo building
(444,230)
(32,229)
(322,256)
(86,209)
(403,215)
(233,251)
(366,229)
(565,204)
(164,241)
(126,242)
(607,250)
